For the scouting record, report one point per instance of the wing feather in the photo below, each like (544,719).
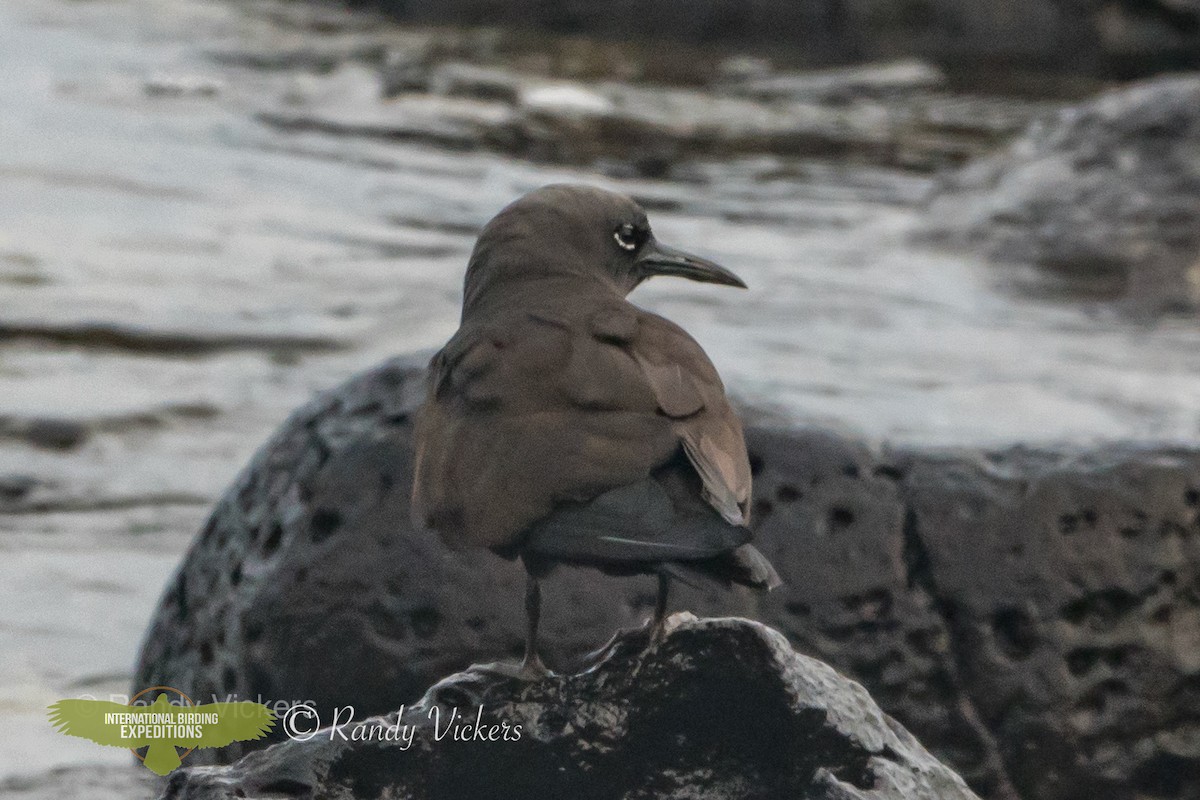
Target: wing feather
(634,523)
(726,485)
(691,393)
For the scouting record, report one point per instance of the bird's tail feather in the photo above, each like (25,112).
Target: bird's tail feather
(744,565)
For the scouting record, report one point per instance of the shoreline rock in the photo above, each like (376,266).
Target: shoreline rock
(1103,198)
(717,708)
(992,602)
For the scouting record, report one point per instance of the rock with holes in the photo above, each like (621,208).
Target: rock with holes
(1032,616)
(720,708)
(308,582)
(833,516)
(1104,197)
(1070,587)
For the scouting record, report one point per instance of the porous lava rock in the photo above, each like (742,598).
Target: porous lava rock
(1032,616)
(718,708)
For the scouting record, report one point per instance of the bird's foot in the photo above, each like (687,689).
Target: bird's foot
(530,670)
(657,632)
(625,637)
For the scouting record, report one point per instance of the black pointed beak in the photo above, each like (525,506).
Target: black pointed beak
(658,259)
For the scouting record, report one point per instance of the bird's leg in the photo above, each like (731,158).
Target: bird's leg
(658,625)
(532,666)
(653,629)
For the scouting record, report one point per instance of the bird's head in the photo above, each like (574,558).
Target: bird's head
(566,231)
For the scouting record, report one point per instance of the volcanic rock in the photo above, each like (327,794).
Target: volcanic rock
(719,708)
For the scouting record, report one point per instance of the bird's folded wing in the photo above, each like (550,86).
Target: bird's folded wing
(718,453)
(523,415)
(633,523)
(536,410)
(690,393)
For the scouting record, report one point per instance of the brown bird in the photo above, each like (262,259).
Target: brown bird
(563,424)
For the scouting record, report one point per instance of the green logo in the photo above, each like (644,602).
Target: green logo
(162,726)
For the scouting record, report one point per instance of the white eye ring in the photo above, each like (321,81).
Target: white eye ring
(622,242)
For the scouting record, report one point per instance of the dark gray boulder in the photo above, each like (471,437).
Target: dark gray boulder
(1104,197)
(1032,616)
(719,708)
(309,583)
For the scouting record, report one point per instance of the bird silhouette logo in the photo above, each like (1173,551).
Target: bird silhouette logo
(162,727)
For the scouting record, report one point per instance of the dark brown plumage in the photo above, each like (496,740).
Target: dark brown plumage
(564,424)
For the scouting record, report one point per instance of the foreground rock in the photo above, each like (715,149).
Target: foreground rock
(720,708)
(1105,197)
(1031,616)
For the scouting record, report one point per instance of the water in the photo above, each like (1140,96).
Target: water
(240,268)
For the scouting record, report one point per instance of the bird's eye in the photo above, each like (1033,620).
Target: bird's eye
(629,237)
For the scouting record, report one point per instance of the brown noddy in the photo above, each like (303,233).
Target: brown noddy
(563,424)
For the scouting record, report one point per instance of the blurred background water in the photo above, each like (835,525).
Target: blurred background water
(212,211)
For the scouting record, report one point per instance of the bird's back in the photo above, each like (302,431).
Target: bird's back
(539,408)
